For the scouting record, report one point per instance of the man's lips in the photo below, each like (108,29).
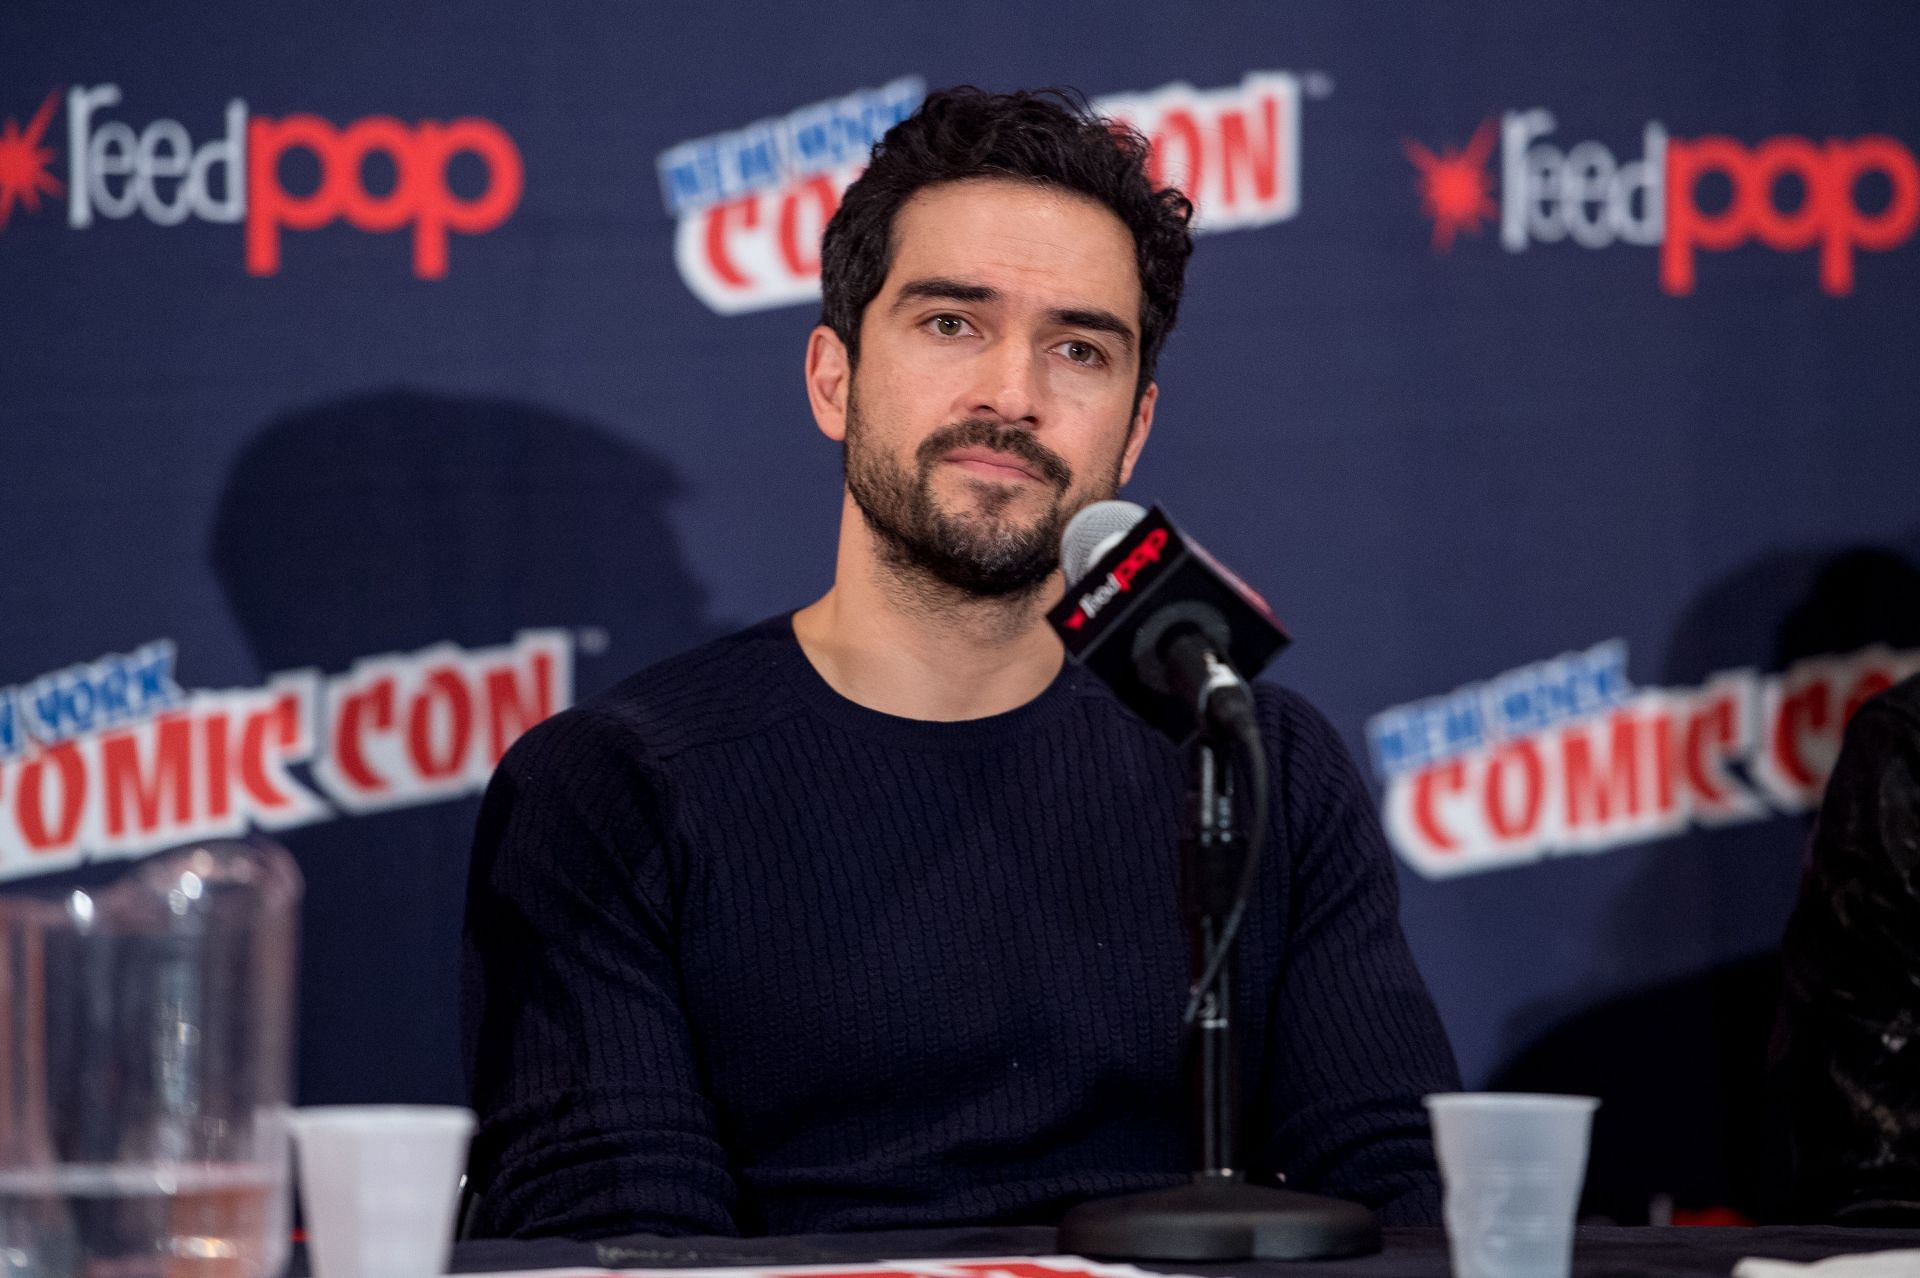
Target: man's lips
(989,464)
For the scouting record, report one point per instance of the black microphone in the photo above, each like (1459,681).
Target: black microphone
(1171,630)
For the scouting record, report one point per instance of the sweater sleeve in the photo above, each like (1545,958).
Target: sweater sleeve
(1354,1040)
(592,1117)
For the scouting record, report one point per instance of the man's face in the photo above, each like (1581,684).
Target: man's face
(994,395)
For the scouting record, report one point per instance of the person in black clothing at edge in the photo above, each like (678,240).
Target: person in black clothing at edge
(867,917)
(1844,1083)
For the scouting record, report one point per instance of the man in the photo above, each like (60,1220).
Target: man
(1841,1064)
(867,917)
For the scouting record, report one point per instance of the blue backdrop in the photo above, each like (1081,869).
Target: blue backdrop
(374,379)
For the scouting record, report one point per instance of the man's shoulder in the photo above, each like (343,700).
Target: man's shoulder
(1295,727)
(1291,723)
(1312,769)
(1308,762)
(726,688)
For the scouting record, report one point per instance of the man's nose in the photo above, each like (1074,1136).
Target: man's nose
(1007,384)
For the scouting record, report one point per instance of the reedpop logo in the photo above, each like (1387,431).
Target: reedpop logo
(160,173)
(1683,196)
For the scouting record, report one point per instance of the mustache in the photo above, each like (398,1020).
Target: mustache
(981,432)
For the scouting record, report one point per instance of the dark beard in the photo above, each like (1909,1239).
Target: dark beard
(979,554)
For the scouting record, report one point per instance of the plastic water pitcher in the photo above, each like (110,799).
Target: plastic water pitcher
(146,1038)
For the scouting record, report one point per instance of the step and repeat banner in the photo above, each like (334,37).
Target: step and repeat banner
(377,380)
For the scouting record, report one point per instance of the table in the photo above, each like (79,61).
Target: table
(1599,1251)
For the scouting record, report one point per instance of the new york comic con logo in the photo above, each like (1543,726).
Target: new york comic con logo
(751,203)
(1835,197)
(1567,756)
(443,178)
(113,758)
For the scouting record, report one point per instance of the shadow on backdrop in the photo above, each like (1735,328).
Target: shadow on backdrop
(1679,1064)
(386,523)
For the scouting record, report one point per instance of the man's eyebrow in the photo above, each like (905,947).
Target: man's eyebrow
(944,290)
(1097,320)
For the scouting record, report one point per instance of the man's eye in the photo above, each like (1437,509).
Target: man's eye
(949,325)
(1082,353)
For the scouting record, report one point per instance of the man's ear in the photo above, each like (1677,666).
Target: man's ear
(1139,429)
(829,381)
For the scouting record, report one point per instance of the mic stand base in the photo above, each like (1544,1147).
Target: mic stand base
(1219,1218)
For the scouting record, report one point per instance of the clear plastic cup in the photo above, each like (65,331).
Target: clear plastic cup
(1513,1165)
(379,1184)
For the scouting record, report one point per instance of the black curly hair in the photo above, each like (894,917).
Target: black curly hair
(1046,136)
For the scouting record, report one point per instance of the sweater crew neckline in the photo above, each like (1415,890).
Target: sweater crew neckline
(930,734)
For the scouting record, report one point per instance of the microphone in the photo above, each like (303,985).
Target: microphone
(1169,628)
(1172,632)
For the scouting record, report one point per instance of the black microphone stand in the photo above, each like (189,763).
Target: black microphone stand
(1217,1215)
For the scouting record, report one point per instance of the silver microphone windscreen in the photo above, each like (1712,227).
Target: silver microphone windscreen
(1090,533)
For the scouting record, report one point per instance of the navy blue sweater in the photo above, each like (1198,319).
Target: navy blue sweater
(745,957)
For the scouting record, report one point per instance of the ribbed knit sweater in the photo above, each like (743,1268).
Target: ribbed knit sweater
(743,956)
